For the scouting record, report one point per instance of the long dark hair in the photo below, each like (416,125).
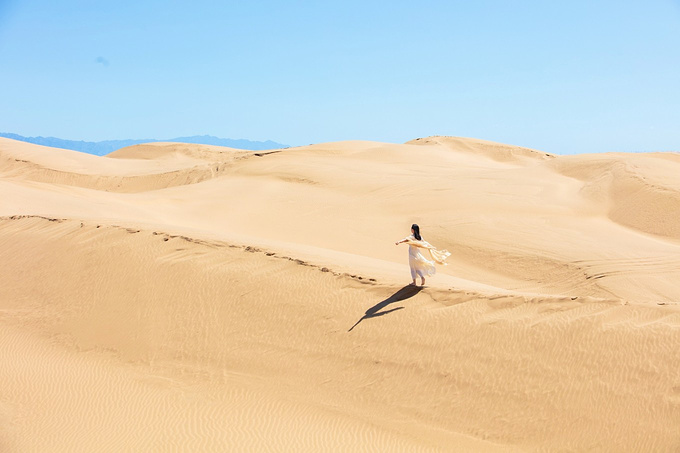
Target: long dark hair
(416,231)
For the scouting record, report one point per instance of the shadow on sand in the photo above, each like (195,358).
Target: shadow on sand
(404,293)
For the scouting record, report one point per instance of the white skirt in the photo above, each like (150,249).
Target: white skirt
(420,266)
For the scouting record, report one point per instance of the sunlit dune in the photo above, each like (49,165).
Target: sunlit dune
(180,297)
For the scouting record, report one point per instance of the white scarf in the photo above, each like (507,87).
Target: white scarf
(438,255)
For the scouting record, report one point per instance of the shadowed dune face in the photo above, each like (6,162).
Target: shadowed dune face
(181,297)
(637,191)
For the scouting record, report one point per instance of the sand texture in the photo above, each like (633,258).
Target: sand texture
(177,297)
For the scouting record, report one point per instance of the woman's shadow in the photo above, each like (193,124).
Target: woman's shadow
(404,293)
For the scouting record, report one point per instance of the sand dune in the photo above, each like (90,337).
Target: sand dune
(185,297)
(163,165)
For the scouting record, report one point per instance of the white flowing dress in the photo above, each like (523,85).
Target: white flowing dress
(420,266)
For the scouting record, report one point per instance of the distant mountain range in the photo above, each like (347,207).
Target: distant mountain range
(108,146)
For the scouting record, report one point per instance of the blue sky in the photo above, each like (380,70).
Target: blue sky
(563,77)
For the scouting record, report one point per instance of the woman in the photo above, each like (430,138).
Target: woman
(421,266)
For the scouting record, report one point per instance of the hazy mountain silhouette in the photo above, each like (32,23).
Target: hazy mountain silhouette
(107,146)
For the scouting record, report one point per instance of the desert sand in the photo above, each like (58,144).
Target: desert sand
(175,297)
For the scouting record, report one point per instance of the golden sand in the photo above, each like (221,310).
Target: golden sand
(176,297)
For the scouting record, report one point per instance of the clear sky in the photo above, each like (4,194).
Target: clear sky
(563,77)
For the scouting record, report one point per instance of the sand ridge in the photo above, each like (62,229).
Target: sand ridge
(264,306)
(142,168)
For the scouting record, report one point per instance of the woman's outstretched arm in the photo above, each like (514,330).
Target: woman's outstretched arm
(403,240)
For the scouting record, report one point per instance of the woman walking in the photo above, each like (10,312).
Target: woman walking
(421,266)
